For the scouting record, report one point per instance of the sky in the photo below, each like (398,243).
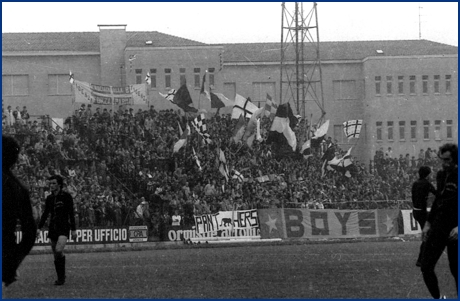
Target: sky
(241,22)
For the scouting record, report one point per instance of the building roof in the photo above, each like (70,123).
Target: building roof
(85,41)
(351,50)
(233,53)
(138,39)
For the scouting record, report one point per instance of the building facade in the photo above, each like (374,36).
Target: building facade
(405,91)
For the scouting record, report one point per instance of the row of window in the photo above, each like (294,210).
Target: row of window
(429,85)
(140,76)
(441,128)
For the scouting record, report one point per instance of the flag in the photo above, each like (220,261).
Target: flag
(196,159)
(182,139)
(329,153)
(319,135)
(251,128)
(352,128)
(281,130)
(180,129)
(343,164)
(202,84)
(199,123)
(258,136)
(237,175)
(239,130)
(243,106)
(223,164)
(306,149)
(148,79)
(170,95)
(218,100)
(71,79)
(270,106)
(183,99)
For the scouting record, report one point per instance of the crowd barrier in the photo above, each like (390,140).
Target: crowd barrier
(260,225)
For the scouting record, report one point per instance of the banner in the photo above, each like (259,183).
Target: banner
(238,221)
(410,225)
(304,223)
(138,234)
(86,236)
(106,95)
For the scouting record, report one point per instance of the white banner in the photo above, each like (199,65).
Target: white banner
(410,224)
(227,220)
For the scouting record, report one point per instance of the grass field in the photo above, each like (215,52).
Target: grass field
(329,270)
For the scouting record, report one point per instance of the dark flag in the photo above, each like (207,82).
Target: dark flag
(183,99)
(281,130)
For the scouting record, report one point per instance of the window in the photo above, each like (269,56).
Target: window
(379,130)
(197,78)
(378,81)
(339,134)
(13,85)
(153,78)
(449,129)
(413,130)
(167,78)
(344,89)
(230,90)
(412,89)
(437,130)
(425,84)
(390,130)
(436,84)
(400,85)
(260,90)
(426,129)
(182,78)
(211,77)
(138,76)
(448,84)
(389,85)
(402,130)
(58,84)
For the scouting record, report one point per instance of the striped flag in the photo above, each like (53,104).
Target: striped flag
(182,139)
(352,128)
(223,168)
(281,130)
(319,135)
(270,106)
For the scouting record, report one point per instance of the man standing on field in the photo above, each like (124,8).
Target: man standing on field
(441,227)
(59,204)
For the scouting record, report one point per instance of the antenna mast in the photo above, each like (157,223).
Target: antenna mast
(300,72)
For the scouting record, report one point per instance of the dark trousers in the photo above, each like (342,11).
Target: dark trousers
(437,240)
(420,216)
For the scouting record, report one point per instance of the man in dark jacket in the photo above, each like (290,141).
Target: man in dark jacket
(16,206)
(420,191)
(59,204)
(441,227)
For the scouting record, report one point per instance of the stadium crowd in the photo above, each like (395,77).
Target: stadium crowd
(121,170)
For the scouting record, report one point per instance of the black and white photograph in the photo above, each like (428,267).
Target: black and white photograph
(229,150)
